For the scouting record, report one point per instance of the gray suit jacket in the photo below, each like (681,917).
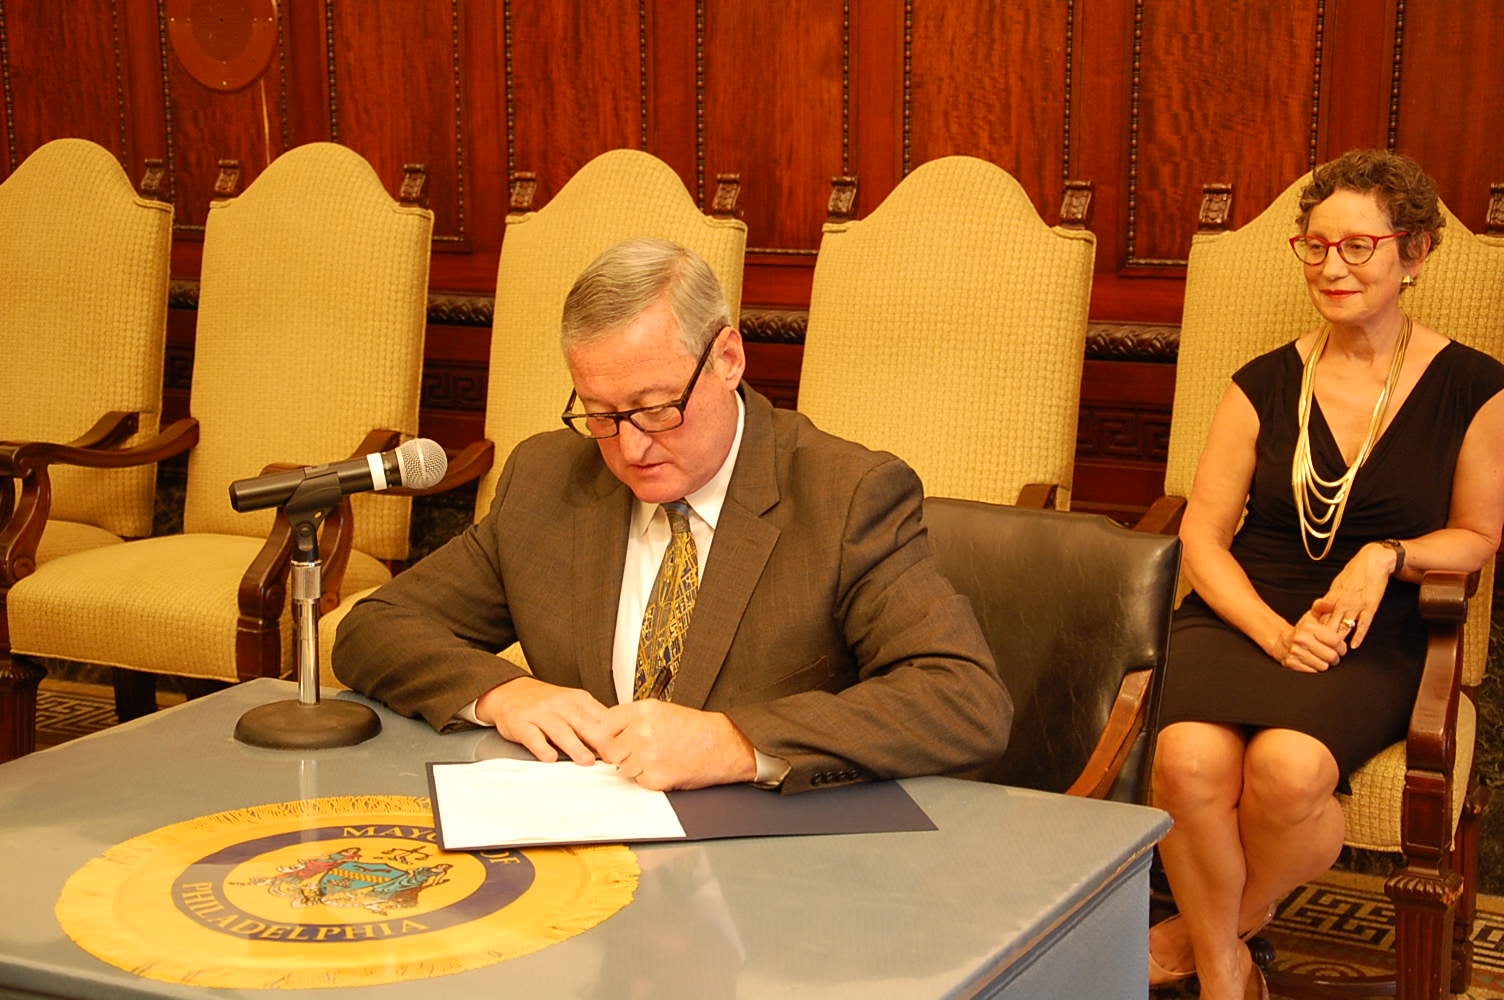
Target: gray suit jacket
(823,626)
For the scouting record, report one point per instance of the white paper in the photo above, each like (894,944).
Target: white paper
(520,803)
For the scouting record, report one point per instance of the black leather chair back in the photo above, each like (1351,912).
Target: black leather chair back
(1070,603)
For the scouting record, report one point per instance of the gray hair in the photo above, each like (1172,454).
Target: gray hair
(629,278)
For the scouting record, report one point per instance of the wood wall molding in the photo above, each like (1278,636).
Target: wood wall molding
(62,55)
(1147,102)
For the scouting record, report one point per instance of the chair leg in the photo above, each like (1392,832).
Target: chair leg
(1425,906)
(135,693)
(19,677)
(1465,863)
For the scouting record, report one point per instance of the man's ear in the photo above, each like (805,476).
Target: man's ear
(730,358)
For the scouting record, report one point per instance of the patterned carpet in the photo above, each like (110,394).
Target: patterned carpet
(1342,924)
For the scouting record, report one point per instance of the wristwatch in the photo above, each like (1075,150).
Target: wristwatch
(1399,554)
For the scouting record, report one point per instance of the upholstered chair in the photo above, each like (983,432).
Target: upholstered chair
(83,320)
(617,195)
(1420,797)
(309,348)
(949,327)
(1076,609)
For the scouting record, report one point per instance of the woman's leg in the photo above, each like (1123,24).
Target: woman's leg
(1198,779)
(1289,818)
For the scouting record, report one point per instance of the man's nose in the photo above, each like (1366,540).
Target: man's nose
(634,441)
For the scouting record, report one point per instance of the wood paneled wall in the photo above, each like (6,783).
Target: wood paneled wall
(1147,99)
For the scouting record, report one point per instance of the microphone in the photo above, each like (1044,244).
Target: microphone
(416,464)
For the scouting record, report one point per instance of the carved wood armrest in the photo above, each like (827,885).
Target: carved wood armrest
(1037,496)
(22,459)
(108,431)
(1163,516)
(1429,744)
(1124,723)
(470,464)
(26,516)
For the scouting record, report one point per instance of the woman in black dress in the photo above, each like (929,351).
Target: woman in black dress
(1364,453)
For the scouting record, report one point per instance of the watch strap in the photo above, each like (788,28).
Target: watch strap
(1399,554)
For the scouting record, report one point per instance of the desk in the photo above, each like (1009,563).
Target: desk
(1018,894)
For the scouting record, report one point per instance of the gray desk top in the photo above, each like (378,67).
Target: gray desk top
(879,915)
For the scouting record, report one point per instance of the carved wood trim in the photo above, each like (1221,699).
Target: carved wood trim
(1132,342)
(152,177)
(329,73)
(5,89)
(1394,78)
(1075,206)
(520,191)
(700,101)
(1493,223)
(728,189)
(228,181)
(414,188)
(1216,207)
(774,326)
(642,74)
(908,88)
(1065,123)
(168,131)
(842,204)
(458,309)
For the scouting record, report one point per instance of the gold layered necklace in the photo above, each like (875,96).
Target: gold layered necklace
(1319,502)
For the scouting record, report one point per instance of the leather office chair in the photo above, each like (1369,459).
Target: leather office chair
(309,348)
(949,327)
(1076,609)
(83,322)
(1421,797)
(617,195)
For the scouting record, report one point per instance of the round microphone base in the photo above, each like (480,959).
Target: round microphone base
(292,725)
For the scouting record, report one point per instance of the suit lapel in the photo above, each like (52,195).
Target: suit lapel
(600,549)
(742,546)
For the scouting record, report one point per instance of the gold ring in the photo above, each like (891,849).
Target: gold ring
(1349,622)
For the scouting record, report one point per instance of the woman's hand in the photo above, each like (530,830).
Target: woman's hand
(1353,598)
(1311,645)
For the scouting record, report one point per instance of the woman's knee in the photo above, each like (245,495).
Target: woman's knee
(1197,764)
(1288,775)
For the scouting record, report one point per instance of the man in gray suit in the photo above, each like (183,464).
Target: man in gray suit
(707,590)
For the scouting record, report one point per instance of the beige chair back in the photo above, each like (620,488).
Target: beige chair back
(310,334)
(83,319)
(949,327)
(1245,294)
(618,195)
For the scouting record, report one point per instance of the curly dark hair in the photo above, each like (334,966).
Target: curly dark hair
(1396,182)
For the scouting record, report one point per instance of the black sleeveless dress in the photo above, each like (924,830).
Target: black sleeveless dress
(1215,673)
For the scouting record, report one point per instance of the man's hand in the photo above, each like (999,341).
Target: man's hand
(543,717)
(665,746)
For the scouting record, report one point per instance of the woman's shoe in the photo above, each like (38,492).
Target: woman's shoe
(1256,988)
(1158,974)
(1268,919)
(1161,976)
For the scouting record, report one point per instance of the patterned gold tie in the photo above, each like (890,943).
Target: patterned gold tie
(669,608)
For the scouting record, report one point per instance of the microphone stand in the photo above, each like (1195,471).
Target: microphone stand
(308,723)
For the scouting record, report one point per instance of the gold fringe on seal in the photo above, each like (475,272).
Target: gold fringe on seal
(121,906)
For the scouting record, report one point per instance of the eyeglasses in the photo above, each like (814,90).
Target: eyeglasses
(653,419)
(1355,249)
